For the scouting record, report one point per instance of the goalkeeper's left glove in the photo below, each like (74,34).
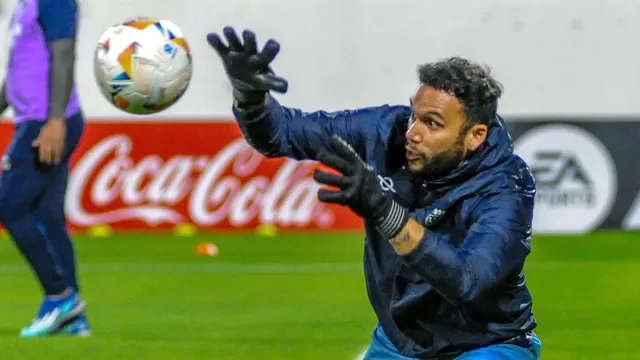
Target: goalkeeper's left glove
(359,189)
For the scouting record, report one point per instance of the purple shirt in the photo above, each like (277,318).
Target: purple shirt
(33,25)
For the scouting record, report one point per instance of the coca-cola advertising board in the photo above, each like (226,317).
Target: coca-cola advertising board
(156,175)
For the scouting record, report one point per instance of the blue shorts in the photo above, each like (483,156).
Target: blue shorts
(382,348)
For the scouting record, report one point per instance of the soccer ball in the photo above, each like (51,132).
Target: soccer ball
(143,65)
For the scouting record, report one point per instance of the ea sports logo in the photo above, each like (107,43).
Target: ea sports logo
(576,178)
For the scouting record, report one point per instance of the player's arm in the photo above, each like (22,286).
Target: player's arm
(58,19)
(276,131)
(497,243)
(4,100)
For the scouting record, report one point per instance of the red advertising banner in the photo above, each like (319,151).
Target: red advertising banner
(150,175)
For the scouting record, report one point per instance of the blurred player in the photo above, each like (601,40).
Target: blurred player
(39,86)
(446,204)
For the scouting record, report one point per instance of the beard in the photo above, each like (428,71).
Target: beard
(440,164)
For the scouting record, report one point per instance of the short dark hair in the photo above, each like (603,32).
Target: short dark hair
(470,82)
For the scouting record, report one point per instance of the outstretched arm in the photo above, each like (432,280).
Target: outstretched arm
(497,243)
(278,131)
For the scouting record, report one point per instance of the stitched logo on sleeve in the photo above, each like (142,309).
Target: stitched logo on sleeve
(433,217)
(386,183)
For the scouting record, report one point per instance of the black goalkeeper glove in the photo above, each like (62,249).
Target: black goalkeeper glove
(248,69)
(359,189)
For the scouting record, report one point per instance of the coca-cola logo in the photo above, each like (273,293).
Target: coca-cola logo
(202,189)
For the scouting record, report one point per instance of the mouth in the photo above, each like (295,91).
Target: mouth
(412,155)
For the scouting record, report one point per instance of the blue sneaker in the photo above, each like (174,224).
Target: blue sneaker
(53,313)
(78,326)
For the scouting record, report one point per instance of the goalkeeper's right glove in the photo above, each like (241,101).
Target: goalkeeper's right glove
(249,70)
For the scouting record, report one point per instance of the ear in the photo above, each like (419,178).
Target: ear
(476,136)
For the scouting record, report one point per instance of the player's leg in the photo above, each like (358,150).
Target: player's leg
(17,194)
(498,352)
(505,352)
(49,208)
(51,217)
(49,212)
(21,185)
(382,348)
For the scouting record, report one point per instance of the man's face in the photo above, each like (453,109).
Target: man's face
(437,140)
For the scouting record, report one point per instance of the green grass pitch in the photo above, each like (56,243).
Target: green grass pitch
(299,296)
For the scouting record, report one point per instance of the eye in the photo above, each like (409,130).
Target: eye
(432,124)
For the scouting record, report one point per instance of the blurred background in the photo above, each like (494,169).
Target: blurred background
(192,246)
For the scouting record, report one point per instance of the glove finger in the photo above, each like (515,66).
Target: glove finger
(216,42)
(269,52)
(331,196)
(232,38)
(345,150)
(276,83)
(269,81)
(336,162)
(250,47)
(330,179)
(352,192)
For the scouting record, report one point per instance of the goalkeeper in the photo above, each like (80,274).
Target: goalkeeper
(447,205)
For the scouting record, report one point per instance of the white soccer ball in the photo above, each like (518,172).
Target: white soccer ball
(143,66)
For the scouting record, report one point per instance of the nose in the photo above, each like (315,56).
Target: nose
(413,134)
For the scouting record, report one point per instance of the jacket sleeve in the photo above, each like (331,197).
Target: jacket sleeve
(497,243)
(279,131)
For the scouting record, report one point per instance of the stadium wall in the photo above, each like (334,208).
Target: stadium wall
(554,58)
(572,118)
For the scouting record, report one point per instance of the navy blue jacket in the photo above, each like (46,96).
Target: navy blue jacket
(463,287)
